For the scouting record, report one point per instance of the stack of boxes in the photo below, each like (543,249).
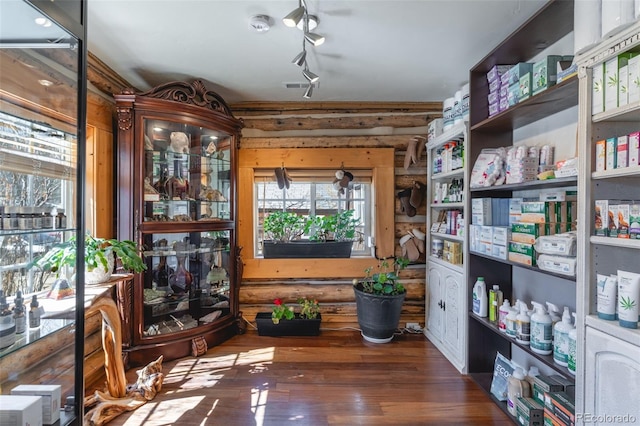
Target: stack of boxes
(511,84)
(617,218)
(497,91)
(507,228)
(31,405)
(553,402)
(618,152)
(554,213)
(616,83)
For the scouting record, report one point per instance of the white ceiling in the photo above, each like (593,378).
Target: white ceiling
(394,50)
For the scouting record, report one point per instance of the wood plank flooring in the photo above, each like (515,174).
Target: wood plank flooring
(334,379)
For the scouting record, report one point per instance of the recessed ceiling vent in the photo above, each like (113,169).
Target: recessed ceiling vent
(300,85)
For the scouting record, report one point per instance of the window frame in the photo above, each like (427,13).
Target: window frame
(381,163)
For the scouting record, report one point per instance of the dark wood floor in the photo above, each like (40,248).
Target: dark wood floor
(334,379)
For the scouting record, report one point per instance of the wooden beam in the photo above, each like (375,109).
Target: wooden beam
(341,122)
(246,109)
(374,141)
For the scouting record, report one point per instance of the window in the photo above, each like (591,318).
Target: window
(312,193)
(318,165)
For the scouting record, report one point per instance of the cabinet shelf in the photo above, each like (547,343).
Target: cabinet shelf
(629,112)
(555,99)
(545,359)
(448,175)
(448,135)
(521,265)
(617,173)
(34,231)
(447,205)
(613,329)
(455,268)
(615,242)
(447,236)
(484,381)
(534,184)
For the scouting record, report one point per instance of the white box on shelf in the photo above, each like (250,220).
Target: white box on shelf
(501,235)
(20,410)
(481,211)
(474,237)
(623,85)
(612,80)
(634,79)
(486,234)
(50,394)
(634,149)
(622,152)
(434,129)
(499,251)
(597,89)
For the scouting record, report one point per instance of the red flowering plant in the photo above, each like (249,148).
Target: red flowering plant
(309,309)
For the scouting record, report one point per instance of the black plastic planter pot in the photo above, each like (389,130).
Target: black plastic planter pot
(293,327)
(306,249)
(378,316)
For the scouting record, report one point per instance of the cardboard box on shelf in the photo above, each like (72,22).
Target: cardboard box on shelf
(634,148)
(601,150)
(20,410)
(601,224)
(597,89)
(529,412)
(545,73)
(522,253)
(611,153)
(622,152)
(51,395)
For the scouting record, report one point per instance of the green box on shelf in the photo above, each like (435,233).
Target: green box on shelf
(513,94)
(545,73)
(525,87)
(518,71)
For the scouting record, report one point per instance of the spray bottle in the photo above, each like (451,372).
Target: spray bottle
(561,339)
(554,312)
(523,325)
(503,311)
(541,329)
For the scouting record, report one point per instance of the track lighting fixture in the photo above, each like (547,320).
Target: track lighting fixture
(308,92)
(300,17)
(293,18)
(310,76)
(313,38)
(300,58)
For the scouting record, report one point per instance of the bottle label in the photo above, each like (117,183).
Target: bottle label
(523,331)
(502,320)
(561,347)
(511,327)
(541,336)
(571,354)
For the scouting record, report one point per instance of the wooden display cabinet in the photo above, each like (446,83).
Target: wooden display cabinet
(177,146)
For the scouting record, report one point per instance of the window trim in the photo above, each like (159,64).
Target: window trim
(381,162)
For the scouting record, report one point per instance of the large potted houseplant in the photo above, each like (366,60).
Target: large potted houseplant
(329,236)
(379,298)
(100,255)
(283,320)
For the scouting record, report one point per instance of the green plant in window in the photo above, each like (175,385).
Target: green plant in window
(336,227)
(283,226)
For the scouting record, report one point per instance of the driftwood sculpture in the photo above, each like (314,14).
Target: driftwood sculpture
(118,397)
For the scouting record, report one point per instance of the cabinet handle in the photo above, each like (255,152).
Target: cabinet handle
(440,304)
(444,306)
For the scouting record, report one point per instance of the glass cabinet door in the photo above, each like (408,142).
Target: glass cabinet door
(187,283)
(186,173)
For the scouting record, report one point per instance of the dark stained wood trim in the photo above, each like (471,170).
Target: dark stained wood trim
(246,109)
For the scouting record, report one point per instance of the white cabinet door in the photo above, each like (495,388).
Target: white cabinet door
(453,322)
(435,314)
(612,380)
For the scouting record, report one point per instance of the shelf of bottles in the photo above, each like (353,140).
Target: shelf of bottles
(187,173)
(189,283)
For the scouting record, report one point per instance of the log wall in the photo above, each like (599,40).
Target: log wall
(329,126)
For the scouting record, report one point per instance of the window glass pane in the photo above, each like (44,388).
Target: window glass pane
(317,199)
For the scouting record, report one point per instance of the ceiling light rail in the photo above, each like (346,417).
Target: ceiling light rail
(300,18)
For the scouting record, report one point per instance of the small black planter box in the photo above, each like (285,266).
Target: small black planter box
(294,327)
(306,249)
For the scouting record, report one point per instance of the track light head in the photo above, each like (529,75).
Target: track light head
(300,58)
(308,92)
(313,38)
(310,76)
(292,19)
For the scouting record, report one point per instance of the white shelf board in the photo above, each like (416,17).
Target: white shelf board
(438,261)
(447,236)
(612,328)
(448,175)
(615,242)
(630,112)
(447,205)
(447,135)
(622,172)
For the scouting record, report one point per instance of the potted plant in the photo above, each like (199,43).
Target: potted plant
(99,257)
(284,321)
(379,299)
(329,236)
